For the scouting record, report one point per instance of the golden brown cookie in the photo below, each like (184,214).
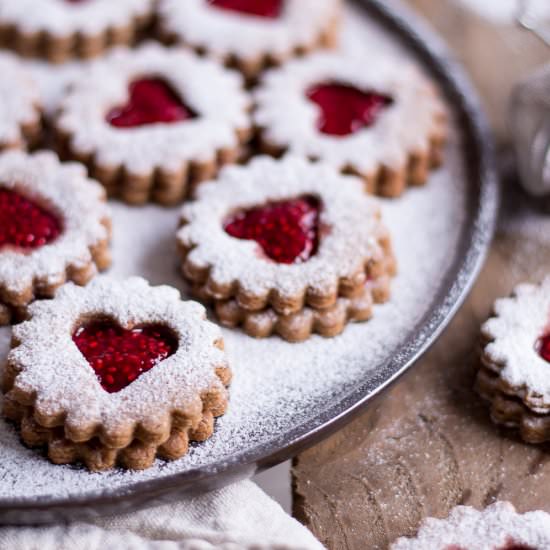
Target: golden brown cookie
(58,30)
(54,227)
(515,373)
(152,123)
(283,235)
(138,373)
(382,121)
(251,35)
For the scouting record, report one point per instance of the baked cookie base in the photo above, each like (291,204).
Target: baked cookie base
(509,410)
(13,306)
(59,49)
(206,290)
(252,67)
(300,326)
(387,181)
(162,186)
(135,451)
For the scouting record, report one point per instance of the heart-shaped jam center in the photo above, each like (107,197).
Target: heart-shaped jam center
(120,356)
(346,109)
(25,224)
(151,101)
(287,231)
(260,8)
(543,347)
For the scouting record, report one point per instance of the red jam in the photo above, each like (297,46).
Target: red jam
(543,347)
(151,101)
(514,546)
(120,356)
(260,8)
(24,224)
(345,109)
(287,231)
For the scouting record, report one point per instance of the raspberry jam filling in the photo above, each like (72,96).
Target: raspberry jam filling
(24,224)
(120,356)
(516,546)
(270,9)
(287,231)
(152,101)
(346,109)
(543,347)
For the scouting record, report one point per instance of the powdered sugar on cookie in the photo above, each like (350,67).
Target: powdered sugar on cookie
(50,367)
(223,32)
(513,333)
(77,201)
(215,94)
(19,103)
(498,527)
(62,18)
(349,221)
(289,119)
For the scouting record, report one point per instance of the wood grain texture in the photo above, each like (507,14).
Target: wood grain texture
(430,444)
(495,54)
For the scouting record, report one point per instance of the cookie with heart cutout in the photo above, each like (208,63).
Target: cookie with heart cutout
(152,123)
(498,527)
(382,121)
(58,30)
(55,227)
(20,105)
(282,235)
(514,375)
(251,34)
(116,373)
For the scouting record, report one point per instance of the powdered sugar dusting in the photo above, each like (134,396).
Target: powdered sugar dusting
(63,19)
(19,100)
(51,366)
(212,91)
(496,527)
(222,32)
(78,201)
(519,322)
(277,386)
(405,127)
(349,216)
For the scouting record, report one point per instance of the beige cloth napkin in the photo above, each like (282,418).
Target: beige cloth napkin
(238,517)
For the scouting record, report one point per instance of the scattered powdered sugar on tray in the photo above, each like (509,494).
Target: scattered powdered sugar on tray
(277,386)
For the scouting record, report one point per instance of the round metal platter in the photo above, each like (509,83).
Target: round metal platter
(277,411)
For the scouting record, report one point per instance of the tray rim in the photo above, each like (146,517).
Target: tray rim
(432,52)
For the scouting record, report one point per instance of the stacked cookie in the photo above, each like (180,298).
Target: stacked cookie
(286,247)
(514,376)
(115,413)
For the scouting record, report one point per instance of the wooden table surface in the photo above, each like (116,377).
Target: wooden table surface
(430,445)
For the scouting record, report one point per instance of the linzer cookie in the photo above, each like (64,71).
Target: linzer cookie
(251,34)
(287,247)
(116,373)
(54,227)
(62,29)
(20,105)
(153,122)
(498,527)
(371,117)
(515,371)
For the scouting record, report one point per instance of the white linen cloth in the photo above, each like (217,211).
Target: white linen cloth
(238,517)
